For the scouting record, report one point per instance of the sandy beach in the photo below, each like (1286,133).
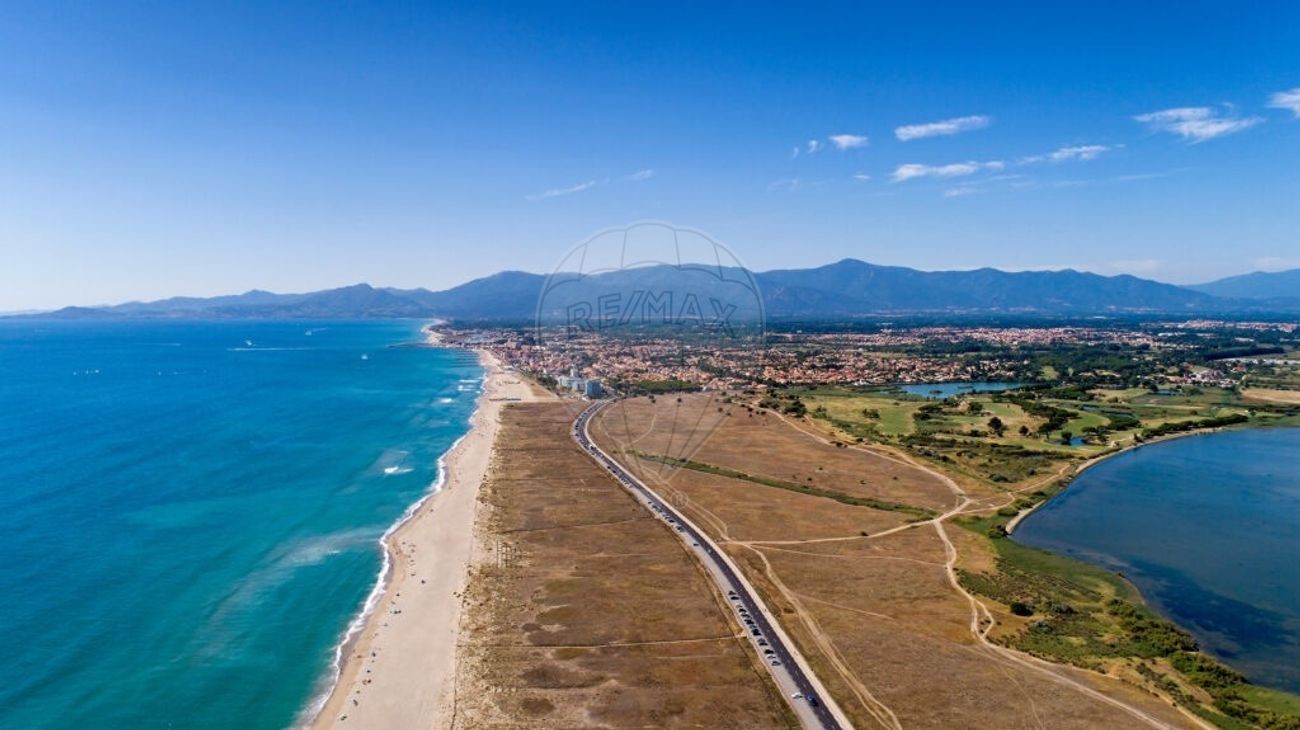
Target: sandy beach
(398,671)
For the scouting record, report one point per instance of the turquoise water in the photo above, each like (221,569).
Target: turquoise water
(1208,527)
(939,391)
(190,511)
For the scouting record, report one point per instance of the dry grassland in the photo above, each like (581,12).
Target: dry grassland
(756,512)
(582,610)
(1285,397)
(876,614)
(693,429)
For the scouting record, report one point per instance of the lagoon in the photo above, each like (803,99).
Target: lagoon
(1208,528)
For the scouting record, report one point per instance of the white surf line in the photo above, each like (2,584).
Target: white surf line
(358,622)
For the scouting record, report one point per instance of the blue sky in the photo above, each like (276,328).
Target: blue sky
(152,150)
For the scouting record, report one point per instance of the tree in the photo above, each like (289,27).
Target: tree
(1024,430)
(997,426)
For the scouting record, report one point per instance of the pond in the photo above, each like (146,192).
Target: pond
(939,391)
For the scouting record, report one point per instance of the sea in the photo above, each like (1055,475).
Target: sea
(1208,529)
(190,512)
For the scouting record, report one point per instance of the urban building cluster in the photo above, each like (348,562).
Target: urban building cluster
(1025,337)
(588,363)
(588,387)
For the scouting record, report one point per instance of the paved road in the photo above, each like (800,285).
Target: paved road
(791,673)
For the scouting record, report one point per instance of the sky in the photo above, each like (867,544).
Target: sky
(158,149)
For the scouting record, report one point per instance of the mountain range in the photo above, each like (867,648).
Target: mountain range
(846,288)
(1259,285)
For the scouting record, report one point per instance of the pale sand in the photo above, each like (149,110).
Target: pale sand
(399,671)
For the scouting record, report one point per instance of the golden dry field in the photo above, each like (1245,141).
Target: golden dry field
(866,588)
(1285,397)
(584,611)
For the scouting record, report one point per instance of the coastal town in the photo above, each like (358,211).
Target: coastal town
(1167,353)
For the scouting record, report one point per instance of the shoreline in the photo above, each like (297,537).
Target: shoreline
(361,619)
(1109,564)
(1098,459)
(392,671)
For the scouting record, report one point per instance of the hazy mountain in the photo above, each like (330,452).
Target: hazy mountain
(844,288)
(254,298)
(851,286)
(504,295)
(1259,285)
(360,301)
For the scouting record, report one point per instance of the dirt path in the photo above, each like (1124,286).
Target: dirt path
(981,618)
(877,709)
(982,623)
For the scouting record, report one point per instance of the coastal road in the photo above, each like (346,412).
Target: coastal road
(809,700)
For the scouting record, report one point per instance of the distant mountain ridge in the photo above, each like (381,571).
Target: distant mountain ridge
(845,288)
(851,286)
(1259,285)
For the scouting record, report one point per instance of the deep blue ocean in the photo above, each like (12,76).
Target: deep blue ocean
(1208,528)
(189,512)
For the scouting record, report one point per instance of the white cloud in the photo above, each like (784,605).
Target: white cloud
(789,185)
(961,191)
(814,146)
(557,192)
(848,141)
(957,169)
(1286,100)
(1196,123)
(861,176)
(794,153)
(1274,263)
(638,176)
(945,127)
(1079,153)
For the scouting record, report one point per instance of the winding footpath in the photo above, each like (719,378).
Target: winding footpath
(981,620)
